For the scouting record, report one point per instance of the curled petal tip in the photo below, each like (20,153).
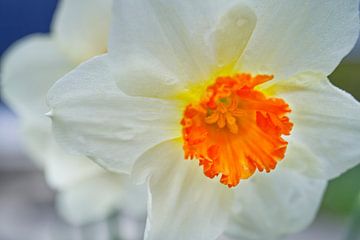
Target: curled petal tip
(49,114)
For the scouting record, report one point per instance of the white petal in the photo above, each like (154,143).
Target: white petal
(92,199)
(160,30)
(183,202)
(81,27)
(142,69)
(296,36)
(325,140)
(174,35)
(147,77)
(271,206)
(134,200)
(232,33)
(63,170)
(92,117)
(30,67)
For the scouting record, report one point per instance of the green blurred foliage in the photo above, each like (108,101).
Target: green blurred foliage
(342,193)
(347,77)
(354,229)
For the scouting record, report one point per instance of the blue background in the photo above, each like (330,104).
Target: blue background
(19,18)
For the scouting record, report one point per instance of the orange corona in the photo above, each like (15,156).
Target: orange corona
(235,129)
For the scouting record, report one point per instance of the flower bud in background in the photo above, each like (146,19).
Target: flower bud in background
(86,192)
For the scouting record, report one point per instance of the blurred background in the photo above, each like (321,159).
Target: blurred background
(27,204)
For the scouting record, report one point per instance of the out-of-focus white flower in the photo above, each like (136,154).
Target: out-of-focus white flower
(86,192)
(235,85)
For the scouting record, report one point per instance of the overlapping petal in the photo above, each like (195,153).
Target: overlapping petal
(168,55)
(231,34)
(174,45)
(296,36)
(326,137)
(81,28)
(92,117)
(271,206)
(183,204)
(63,170)
(164,30)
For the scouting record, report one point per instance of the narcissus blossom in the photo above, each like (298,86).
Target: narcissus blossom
(223,108)
(80,30)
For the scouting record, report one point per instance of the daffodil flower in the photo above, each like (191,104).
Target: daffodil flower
(80,30)
(223,108)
